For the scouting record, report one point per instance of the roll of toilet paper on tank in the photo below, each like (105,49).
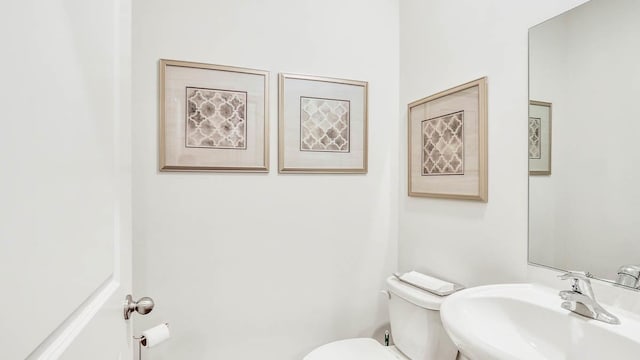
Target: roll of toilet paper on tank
(156,335)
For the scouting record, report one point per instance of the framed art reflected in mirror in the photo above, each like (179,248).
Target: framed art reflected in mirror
(539,138)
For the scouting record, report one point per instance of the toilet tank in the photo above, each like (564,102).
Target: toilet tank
(415,323)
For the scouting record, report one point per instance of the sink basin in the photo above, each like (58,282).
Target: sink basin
(525,321)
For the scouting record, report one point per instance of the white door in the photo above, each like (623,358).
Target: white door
(65,232)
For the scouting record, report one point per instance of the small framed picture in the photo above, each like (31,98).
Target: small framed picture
(539,138)
(213,118)
(322,125)
(448,143)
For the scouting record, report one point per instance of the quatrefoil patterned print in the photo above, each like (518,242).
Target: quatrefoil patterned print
(535,149)
(442,145)
(216,119)
(324,125)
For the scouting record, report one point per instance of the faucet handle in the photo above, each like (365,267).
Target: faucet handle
(576,277)
(629,275)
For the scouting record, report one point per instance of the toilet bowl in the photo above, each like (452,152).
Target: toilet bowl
(352,349)
(416,327)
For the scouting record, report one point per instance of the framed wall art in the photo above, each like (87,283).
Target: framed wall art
(322,125)
(213,118)
(539,138)
(447,143)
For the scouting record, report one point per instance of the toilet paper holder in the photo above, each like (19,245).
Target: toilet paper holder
(142,341)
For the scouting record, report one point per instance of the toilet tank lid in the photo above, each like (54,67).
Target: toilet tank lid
(412,294)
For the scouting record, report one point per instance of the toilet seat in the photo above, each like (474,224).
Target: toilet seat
(355,349)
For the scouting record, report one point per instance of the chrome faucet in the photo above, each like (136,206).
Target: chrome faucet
(629,275)
(581,300)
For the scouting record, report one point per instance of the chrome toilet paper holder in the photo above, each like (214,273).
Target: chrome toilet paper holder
(142,341)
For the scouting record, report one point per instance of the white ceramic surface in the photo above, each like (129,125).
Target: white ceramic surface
(525,321)
(415,323)
(355,349)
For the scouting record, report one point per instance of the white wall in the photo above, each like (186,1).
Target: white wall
(443,44)
(265,266)
(590,200)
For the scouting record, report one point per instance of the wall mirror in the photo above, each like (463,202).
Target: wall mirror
(584,141)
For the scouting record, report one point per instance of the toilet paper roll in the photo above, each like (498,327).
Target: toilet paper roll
(155,335)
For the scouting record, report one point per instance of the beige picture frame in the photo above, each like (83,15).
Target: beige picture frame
(540,112)
(213,118)
(447,144)
(322,125)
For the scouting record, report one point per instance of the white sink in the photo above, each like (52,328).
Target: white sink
(525,321)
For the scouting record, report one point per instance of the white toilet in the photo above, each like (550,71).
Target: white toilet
(416,327)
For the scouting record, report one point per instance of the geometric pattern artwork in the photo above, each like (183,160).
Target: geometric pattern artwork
(324,125)
(216,119)
(535,146)
(442,145)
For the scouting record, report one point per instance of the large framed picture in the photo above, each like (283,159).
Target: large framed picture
(322,125)
(447,143)
(213,118)
(539,138)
